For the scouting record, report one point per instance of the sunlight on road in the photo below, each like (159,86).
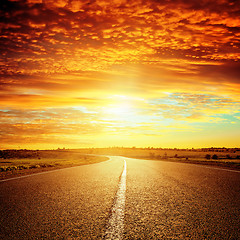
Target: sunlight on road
(116,222)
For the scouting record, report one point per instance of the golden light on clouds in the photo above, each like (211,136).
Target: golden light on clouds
(129,73)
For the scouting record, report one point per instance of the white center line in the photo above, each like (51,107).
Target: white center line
(115,225)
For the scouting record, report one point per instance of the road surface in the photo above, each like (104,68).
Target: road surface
(123,199)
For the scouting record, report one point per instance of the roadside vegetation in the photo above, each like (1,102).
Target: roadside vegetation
(21,162)
(225,157)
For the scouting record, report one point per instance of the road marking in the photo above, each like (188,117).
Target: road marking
(115,225)
(33,174)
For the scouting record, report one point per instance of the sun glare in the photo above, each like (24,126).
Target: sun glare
(118,109)
(119,106)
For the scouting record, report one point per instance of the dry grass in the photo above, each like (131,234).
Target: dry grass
(27,162)
(21,162)
(224,157)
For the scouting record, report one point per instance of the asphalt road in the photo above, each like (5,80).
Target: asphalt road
(123,199)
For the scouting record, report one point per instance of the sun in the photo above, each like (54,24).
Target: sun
(119,106)
(122,111)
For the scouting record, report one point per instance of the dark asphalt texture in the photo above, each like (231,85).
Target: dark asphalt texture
(72,203)
(164,200)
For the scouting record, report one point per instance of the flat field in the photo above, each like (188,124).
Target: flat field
(221,157)
(22,162)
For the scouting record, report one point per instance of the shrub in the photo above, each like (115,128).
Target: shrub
(34,166)
(21,167)
(208,156)
(215,156)
(11,168)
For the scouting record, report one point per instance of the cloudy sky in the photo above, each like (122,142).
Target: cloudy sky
(95,73)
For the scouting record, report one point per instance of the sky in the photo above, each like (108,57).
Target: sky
(100,73)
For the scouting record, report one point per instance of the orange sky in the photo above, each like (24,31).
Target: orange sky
(96,73)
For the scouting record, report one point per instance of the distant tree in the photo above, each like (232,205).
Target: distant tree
(208,156)
(215,156)
(228,156)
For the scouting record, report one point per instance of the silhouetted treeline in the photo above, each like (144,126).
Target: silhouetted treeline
(211,149)
(23,153)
